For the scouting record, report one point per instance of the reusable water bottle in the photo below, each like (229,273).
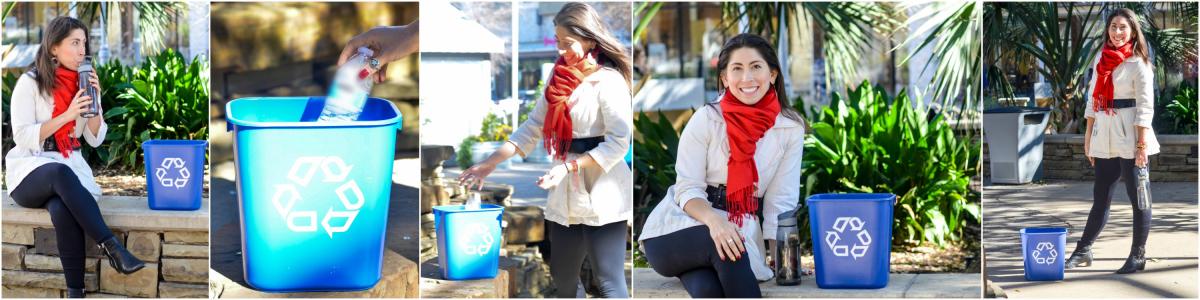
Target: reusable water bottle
(351,85)
(1143,188)
(787,250)
(85,73)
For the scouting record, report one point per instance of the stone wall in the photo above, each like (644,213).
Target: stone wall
(176,256)
(1062,159)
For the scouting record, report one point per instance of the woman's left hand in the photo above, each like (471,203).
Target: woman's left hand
(552,177)
(1139,158)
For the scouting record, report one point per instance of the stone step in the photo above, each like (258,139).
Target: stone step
(122,213)
(650,284)
(433,286)
(398,273)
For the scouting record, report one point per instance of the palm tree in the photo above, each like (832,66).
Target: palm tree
(951,31)
(153,18)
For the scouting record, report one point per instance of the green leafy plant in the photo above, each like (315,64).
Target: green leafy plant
(867,142)
(6,91)
(1182,110)
(494,129)
(165,97)
(654,153)
(463,155)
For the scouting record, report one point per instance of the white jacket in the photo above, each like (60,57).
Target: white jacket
(702,161)
(29,110)
(600,106)
(1115,135)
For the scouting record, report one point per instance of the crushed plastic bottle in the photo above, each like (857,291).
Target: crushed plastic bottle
(351,85)
(1143,188)
(474,201)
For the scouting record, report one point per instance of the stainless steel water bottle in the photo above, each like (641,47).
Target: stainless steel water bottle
(787,250)
(85,74)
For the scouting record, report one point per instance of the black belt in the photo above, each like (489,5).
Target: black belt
(49,145)
(1123,103)
(716,196)
(583,145)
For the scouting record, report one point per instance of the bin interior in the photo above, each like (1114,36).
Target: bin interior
(1044,230)
(173,143)
(851,197)
(303,111)
(463,208)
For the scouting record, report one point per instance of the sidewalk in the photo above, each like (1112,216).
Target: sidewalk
(649,284)
(1172,247)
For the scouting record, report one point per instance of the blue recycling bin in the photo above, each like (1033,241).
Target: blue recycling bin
(852,236)
(1044,249)
(174,173)
(468,240)
(313,195)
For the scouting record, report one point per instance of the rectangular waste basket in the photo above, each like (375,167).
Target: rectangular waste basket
(1042,248)
(852,236)
(174,173)
(468,240)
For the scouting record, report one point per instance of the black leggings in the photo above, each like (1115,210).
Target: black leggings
(72,209)
(605,243)
(690,254)
(1108,171)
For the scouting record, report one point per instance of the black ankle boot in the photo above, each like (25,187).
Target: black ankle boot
(1135,262)
(74,293)
(120,259)
(1082,257)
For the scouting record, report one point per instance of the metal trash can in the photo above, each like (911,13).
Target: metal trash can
(1015,138)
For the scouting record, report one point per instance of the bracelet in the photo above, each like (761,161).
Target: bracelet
(574,167)
(1141,145)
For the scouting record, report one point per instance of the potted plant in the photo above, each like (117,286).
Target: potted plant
(493,133)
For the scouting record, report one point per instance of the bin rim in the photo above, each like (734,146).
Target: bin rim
(1016,109)
(842,197)
(1043,230)
(483,207)
(175,142)
(393,121)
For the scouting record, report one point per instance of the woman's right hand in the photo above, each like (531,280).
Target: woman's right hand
(474,175)
(1087,142)
(726,237)
(79,105)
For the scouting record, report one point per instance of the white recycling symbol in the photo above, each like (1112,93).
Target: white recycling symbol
(333,171)
(168,164)
(479,240)
(834,237)
(1044,253)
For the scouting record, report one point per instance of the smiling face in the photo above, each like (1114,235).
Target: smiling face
(1119,31)
(571,46)
(747,75)
(71,50)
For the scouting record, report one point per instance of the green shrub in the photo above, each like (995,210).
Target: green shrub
(654,156)
(867,142)
(463,155)
(1181,112)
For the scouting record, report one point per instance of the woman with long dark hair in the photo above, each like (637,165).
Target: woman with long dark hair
(585,121)
(46,169)
(737,157)
(1120,110)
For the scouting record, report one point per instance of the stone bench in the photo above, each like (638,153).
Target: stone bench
(398,281)
(936,285)
(174,245)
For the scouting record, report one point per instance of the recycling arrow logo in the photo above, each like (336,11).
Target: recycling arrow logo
(334,172)
(848,225)
(479,240)
(178,179)
(1044,253)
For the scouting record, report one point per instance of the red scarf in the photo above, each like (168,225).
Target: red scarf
(557,126)
(744,126)
(1110,58)
(66,84)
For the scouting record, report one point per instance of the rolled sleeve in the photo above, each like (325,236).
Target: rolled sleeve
(783,192)
(691,162)
(26,129)
(93,139)
(1144,93)
(616,108)
(529,133)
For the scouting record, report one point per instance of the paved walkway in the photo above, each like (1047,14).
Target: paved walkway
(1172,247)
(648,284)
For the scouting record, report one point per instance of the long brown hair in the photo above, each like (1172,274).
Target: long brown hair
(582,20)
(44,64)
(1139,41)
(764,48)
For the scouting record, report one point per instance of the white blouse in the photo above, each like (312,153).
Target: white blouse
(30,109)
(1115,135)
(702,161)
(600,106)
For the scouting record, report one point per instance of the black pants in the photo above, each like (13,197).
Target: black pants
(571,244)
(72,209)
(1108,171)
(691,255)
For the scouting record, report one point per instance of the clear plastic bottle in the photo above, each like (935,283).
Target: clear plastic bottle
(1143,188)
(474,201)
(351,85)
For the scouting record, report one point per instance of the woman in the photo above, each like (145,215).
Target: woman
(585,121)
(735,157)
(1119,136)
(46,169)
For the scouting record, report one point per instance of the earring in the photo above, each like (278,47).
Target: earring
(54,60)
